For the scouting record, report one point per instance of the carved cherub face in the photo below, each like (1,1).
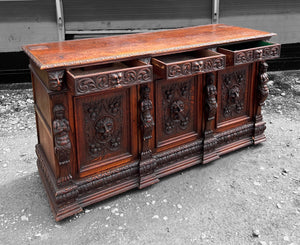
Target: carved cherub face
(197,66)
(258,54)
(116,78)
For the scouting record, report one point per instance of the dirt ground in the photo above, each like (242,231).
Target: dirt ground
(251,196)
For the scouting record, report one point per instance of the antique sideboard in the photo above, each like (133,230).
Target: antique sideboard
(120,112)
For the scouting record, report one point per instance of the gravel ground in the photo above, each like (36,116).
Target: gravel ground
(251,196)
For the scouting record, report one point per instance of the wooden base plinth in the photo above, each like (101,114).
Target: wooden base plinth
(60,210)
(148,180)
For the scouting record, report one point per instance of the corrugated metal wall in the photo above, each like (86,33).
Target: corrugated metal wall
(28,21)
(24,22)
(135,14)
(281,17)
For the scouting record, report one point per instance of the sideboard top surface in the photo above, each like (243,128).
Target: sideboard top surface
(58,55)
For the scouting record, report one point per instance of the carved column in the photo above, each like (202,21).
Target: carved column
(147,162)
(211,106)
(262,94)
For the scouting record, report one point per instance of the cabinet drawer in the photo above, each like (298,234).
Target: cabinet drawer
(249,52)
(187,64)
(108,76)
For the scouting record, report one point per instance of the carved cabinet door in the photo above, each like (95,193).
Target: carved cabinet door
(235,103)
(106,129)
(178,109)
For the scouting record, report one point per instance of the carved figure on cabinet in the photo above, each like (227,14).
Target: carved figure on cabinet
(146,117)
(263,79)
(61,130)
(211,92)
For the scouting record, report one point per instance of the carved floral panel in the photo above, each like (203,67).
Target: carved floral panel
(232,94)
(175,108)
(104,133)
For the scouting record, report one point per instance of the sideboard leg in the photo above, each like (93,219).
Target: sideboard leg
(262,94)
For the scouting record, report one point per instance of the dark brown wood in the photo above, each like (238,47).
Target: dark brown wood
(122,112)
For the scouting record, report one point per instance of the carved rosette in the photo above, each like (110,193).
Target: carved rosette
(263,80)
(55,80)
(195,67)
(112,80)
(62,143)
(176,107)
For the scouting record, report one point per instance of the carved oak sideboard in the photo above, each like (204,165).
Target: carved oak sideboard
(121,112)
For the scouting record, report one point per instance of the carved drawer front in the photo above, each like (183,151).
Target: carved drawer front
(176,110)
(249,52)
(108,76)
(106,128)
(187,64)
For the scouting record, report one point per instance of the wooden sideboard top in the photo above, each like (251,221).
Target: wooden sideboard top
(72,53)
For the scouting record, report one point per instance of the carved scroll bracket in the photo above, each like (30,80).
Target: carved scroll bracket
(55,80)
(62,143)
